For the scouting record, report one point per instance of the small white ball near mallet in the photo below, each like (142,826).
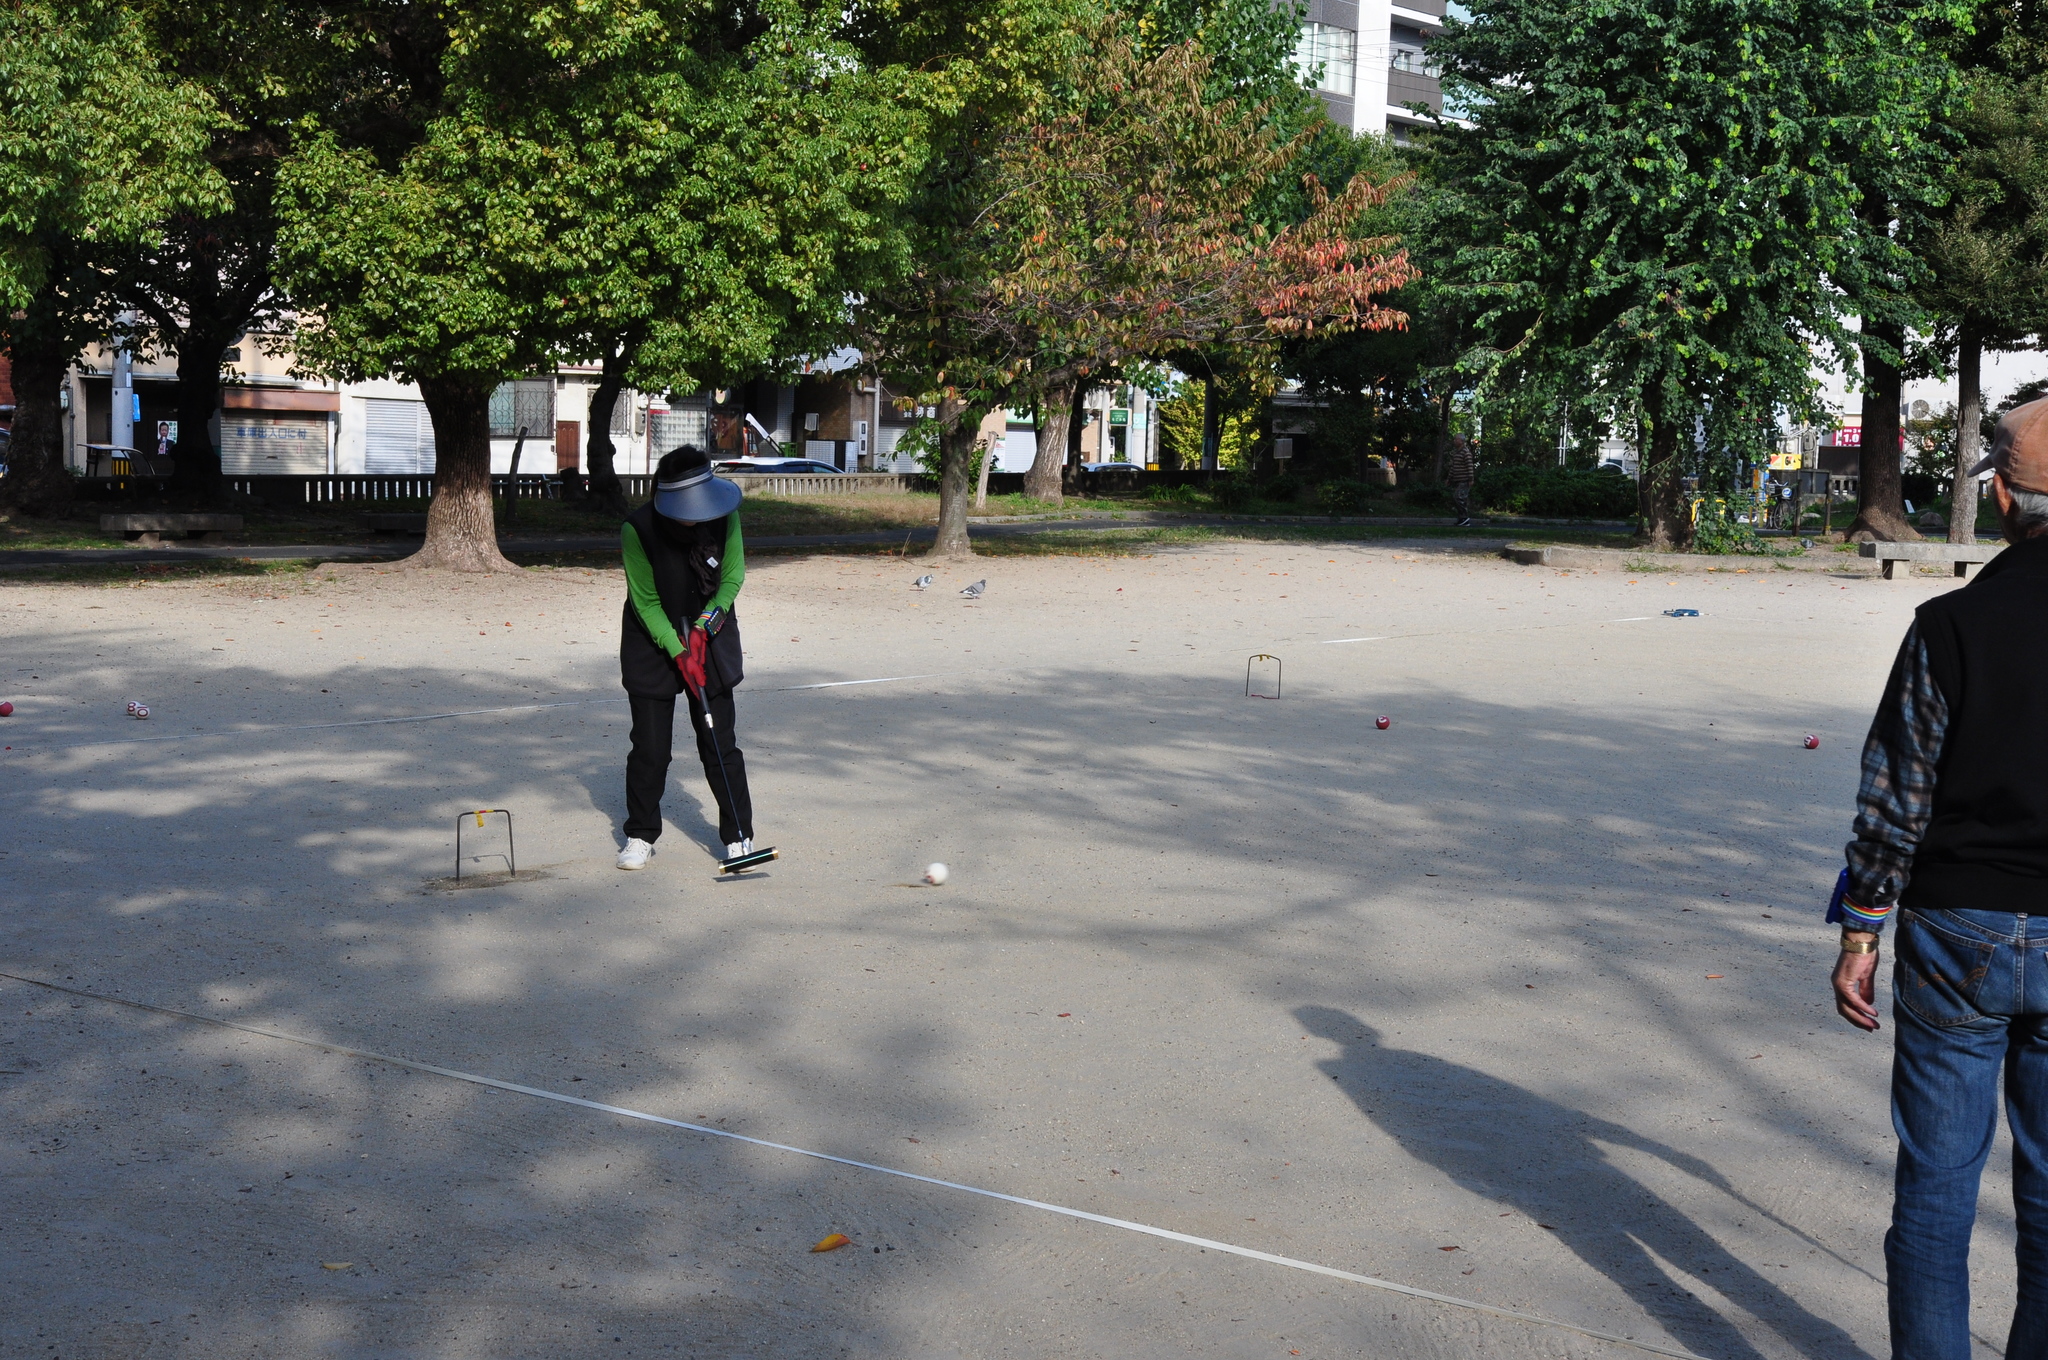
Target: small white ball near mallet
(935,874)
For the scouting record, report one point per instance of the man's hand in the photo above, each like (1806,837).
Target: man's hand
(1855,983)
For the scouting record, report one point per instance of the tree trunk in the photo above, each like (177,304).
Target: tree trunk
(37,481)
(1443,438)
(1880,499)
(1055,414)
(1962,508)
(1212,439)
(605,488)
(1666,525)
(956,449)
(460,533)
(1077,426)
(196,474)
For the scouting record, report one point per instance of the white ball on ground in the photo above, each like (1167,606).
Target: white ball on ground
(935,874)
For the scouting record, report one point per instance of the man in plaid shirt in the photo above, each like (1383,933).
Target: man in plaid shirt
(1952,833)
(1460,470)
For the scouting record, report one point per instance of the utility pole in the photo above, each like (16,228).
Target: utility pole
(121,434)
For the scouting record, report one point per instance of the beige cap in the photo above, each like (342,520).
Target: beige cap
(2020,448)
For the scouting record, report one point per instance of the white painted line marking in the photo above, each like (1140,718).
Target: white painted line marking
(1206,1243)
(882,680)
(316,727)
(1331,642)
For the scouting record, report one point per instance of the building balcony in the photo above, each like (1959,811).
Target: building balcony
(1425,13)
(1412,87)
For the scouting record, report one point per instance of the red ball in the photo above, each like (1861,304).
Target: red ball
(1382,723)
(6,710)
(1812,743)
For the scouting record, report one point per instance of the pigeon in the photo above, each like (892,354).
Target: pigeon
(922,581)
(973,592)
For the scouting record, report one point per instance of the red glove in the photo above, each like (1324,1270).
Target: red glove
(691,662)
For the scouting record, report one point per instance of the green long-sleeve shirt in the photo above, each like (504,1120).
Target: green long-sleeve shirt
(732,573)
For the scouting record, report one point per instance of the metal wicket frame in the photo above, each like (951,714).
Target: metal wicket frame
(511,856)
(1278,670)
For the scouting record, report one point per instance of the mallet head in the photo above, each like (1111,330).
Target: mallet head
(750,860)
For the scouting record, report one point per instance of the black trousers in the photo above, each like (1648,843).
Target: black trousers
(654,724)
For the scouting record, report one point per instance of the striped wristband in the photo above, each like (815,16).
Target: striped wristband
(1864,918)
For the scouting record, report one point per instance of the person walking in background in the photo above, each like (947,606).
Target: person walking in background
(685,562)
(1460,470)
(1952,830)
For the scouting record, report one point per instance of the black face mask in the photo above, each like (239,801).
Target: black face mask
(682,533)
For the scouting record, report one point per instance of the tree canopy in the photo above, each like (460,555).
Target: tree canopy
(1668,202)
(97,145)
(713,182)
(1113,225)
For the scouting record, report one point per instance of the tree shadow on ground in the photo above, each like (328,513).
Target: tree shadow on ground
(330,928)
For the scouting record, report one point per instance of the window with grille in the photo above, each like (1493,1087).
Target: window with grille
(1333,51)
(673,429)
(528,402)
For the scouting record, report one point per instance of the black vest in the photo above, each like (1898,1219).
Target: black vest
(683,557)
(1986,847)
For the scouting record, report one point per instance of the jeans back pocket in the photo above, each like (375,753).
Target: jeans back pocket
(1940,974)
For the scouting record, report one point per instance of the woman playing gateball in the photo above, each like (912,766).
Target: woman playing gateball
(685,563)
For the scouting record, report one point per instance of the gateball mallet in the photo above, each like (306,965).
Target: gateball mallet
(753,858)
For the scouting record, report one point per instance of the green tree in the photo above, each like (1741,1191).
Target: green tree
(1661,203)
(1112,227)
(1987,251)
(203,279)
(97,144)
(691,191)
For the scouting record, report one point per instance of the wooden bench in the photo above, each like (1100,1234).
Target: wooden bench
(151,529)
(1964,557)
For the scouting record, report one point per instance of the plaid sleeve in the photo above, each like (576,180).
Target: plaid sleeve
(1896,796)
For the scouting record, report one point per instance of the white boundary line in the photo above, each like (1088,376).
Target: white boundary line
(1484,632)
(428,717)
(1207,1244)
(316,727)
(838,684)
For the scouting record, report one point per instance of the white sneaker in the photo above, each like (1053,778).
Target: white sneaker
(738,848)
(634,856)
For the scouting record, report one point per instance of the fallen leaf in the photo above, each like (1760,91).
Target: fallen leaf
(834,1242)
(1712,976)
(1065,1014)
(336,1265)
(1446,1248)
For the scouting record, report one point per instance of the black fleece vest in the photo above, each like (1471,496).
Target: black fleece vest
(647,670)
(1986,847)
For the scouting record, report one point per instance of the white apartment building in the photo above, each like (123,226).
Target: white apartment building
(1372,58)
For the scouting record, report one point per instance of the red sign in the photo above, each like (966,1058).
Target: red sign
(1849,434)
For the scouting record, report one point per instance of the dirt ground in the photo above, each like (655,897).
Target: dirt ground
(1521,1000)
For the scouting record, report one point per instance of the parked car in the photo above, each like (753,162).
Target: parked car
(1111,467)
(758,466)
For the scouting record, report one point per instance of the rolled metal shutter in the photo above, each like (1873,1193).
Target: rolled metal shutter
(398,437)
(255,445)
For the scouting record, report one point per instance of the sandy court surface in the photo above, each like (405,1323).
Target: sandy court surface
(1431,1004)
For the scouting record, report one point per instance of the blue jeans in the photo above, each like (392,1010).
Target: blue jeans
(1971,994)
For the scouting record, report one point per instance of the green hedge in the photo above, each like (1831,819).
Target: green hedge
(1555,493)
